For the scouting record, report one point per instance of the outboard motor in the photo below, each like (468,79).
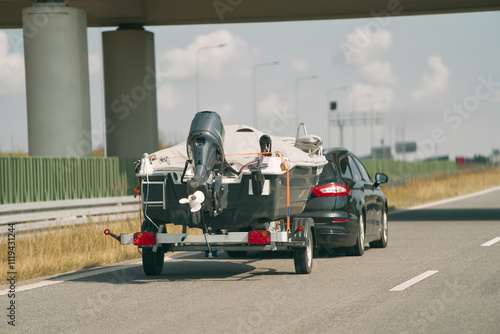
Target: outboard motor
(206,155)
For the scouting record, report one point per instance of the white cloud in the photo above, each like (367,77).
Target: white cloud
(168,97)
(300,66)
(435,82)
(235,59)
(270,105)
(275,116)
(11,68)
(367,97)
(378,72)
(363,50)
(95,66)
(363,45)
(225,110)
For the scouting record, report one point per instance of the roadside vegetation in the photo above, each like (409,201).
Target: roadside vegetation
(434,188)
(13,154)
(59,250)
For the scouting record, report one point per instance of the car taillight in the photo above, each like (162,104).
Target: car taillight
(330,190)
(259,237)
(144,238)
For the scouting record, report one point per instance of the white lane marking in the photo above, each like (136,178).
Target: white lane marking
(491,242)
(414,280)
(83,275)
(448,200)
(30,286)
(68,278)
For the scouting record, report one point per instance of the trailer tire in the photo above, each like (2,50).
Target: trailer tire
(152,262)
(303,257)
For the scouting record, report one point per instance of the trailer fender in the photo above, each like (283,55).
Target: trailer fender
(307,228)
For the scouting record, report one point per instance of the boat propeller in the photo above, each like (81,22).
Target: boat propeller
(194,200)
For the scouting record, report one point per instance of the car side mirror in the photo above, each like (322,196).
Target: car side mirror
(380,178)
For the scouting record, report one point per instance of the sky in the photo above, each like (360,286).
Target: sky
(432,79)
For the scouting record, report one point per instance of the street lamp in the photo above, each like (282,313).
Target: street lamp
(198,71)
(254,90)
(296,96)
(353,120)
(328,120)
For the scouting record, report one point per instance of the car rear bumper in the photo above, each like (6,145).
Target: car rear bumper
(334,229)
(334,235)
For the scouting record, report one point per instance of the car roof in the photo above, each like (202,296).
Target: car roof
(336,152)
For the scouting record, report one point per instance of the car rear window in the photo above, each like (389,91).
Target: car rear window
(329,174)
(345,171)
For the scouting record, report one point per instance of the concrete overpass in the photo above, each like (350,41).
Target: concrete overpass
(57,80)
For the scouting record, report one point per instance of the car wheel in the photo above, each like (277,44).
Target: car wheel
(303,257)
(359,248)
(384,231)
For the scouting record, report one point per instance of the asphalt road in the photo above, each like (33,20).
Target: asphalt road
(446,250)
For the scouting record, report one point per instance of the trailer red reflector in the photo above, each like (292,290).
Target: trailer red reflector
(145,238)
(106,231)
(259,237)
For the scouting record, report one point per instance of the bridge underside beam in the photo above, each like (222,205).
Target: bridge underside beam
(102,13)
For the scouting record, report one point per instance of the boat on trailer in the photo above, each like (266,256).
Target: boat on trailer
(241,186)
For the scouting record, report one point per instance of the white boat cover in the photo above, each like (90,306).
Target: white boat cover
(241,146)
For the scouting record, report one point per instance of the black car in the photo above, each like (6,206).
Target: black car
(347,206)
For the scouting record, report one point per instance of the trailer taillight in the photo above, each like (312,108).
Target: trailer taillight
(259,237)
(145,238)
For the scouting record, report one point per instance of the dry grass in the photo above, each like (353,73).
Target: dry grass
(416,192)
(13,154)
(60,250)
(85,246)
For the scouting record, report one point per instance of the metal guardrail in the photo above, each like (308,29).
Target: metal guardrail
(39,215)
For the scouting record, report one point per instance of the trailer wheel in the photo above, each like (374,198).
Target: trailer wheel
(303,257)
(152,262)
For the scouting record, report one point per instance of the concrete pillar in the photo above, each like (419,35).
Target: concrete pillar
(57,80)
(130,91)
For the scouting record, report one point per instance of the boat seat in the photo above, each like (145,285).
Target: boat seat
(308,143)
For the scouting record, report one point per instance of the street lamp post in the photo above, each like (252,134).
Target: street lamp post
(254,90)
(296,96)
(339,123)
(198,71)
(353,119)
